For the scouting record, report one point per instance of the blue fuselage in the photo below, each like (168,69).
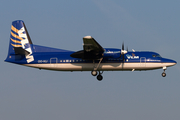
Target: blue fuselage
(58,59)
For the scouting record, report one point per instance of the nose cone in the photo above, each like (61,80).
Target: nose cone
(173,62)
(168,62)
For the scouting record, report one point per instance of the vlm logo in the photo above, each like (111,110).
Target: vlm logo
(133,56)
(25,44)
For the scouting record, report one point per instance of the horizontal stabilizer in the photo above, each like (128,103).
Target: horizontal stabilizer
(20,51)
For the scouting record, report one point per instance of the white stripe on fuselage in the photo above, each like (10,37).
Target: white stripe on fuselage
(102,67)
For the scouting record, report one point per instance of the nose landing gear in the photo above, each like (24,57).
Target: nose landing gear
(164,74)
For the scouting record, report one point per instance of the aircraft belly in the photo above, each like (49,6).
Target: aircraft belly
(102,66)
(130,66)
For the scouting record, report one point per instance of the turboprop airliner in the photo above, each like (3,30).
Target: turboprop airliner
(92,58)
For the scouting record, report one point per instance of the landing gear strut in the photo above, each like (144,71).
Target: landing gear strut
(164,74)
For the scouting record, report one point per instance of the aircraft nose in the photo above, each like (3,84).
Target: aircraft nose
(173,62)
(169,62)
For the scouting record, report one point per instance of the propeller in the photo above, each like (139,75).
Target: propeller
(123,51)
(123,46)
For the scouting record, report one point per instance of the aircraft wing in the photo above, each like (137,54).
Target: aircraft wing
(91,49)
(90,45)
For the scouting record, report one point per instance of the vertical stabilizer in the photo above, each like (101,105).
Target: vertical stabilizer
(20,42)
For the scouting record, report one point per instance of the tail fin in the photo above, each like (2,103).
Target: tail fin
(20,41)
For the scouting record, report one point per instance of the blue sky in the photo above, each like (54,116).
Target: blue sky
(29,93)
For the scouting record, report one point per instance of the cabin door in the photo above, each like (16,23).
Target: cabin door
(142,62)
(53,62)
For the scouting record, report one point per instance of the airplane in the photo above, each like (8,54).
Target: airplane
(92,58)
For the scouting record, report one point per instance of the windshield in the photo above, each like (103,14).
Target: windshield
(156,55)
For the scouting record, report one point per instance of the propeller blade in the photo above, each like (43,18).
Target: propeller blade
(123,46)
(123,50)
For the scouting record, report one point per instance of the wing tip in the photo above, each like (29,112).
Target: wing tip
(88,37)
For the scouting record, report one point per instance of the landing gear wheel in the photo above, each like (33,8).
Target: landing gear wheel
(93,73)
(164,74)
(99,77)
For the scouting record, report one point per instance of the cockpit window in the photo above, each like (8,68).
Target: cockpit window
(156,55)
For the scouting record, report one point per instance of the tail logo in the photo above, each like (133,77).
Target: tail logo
(19,39)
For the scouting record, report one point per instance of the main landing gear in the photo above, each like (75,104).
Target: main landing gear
(164,74)
(94,72)
(99,76)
